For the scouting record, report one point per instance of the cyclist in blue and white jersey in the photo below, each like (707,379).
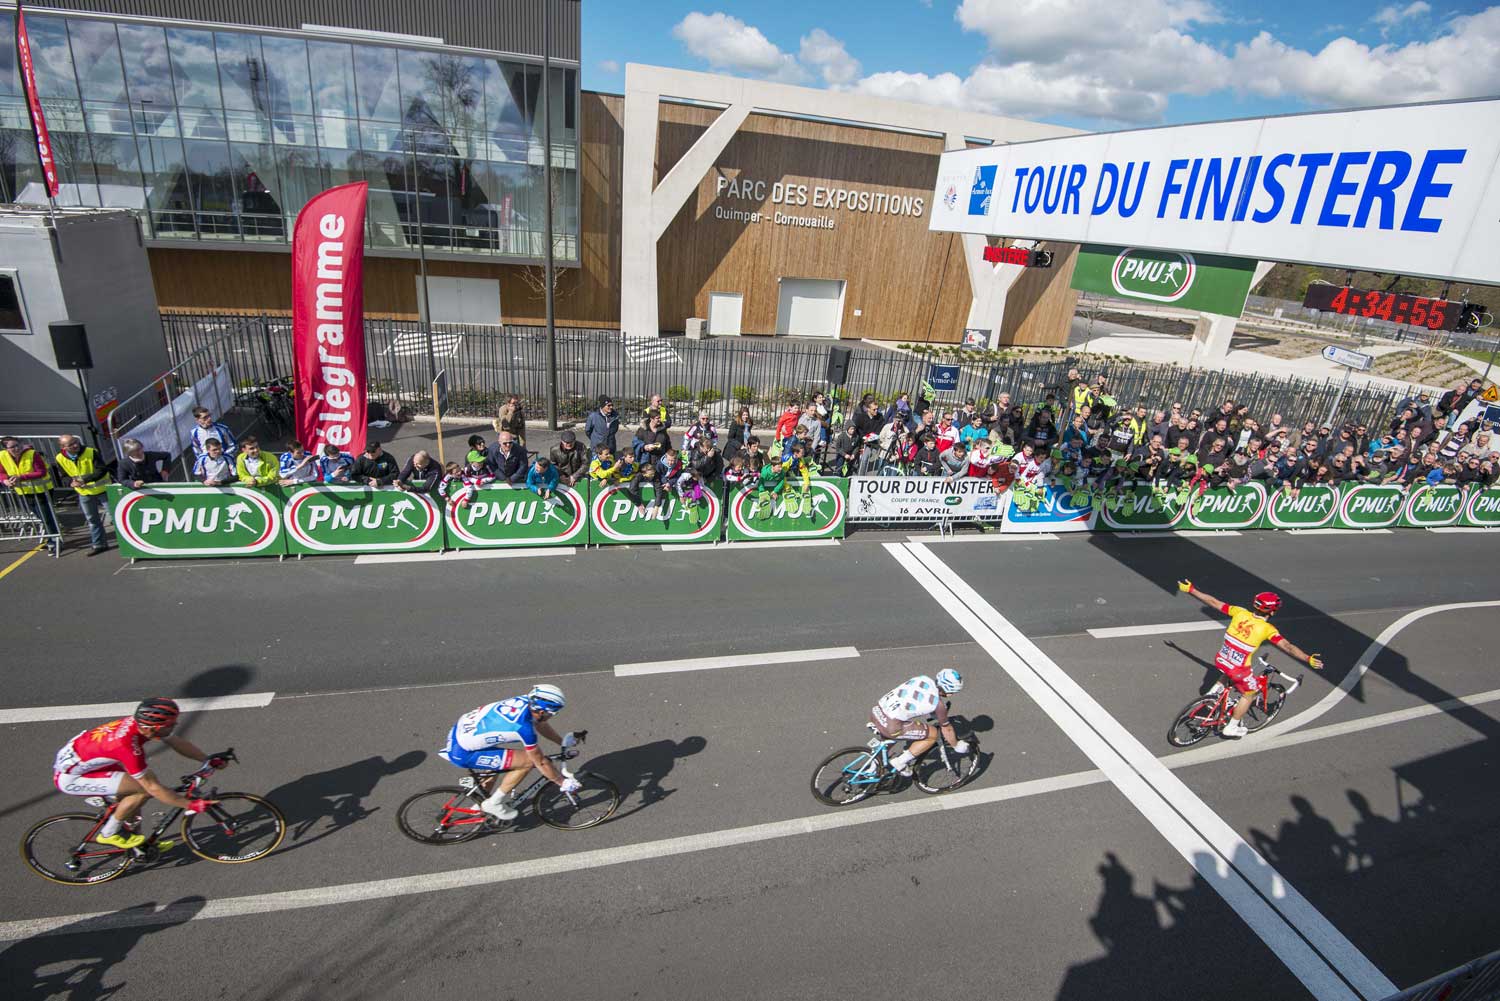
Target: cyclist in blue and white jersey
(501,737)
(901,714)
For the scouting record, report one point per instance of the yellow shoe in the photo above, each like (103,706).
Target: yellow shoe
(126,841)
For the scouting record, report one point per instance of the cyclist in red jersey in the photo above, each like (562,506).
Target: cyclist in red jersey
(110,760)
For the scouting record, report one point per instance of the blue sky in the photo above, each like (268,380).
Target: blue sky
(1084,63)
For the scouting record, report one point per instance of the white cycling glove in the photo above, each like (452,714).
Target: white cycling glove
(570,739)
(570,784)
(962,747)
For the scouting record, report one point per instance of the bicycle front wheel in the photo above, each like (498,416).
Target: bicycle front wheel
(1259,715)
(1194,722)
(442,816)
(933,775)
(238,828)
(845,777)
(52,851)
(590,806)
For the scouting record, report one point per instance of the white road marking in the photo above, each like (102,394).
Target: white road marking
(465,554)
(1190,533)
(740,660)
(1120,632)
(408,885)
(1339,531)
(1459,530)
(1326,962)
(41,714)
(1367,658)
(761,544)
(991,537)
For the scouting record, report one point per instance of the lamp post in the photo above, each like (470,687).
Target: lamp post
(547,193)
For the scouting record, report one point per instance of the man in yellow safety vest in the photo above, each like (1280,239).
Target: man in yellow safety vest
(90,478)
(26,474)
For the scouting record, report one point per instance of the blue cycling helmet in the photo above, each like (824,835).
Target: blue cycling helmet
(547,698)
(949,680)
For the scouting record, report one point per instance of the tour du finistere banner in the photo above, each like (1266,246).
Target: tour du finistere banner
(1192,281)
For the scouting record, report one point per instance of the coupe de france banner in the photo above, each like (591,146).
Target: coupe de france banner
(1404,190)
(328,318)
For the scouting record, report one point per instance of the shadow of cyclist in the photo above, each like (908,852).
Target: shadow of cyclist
(640,770)
(325,803)
(72,962)
(1210,672)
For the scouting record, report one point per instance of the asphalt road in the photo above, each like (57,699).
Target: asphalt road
(1058,873)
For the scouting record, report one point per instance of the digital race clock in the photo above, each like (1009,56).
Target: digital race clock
(1417,310)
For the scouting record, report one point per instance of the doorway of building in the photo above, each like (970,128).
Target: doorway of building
(725,311)
(810,307)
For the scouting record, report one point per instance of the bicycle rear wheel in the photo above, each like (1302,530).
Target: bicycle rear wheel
(847,776)
(1195,722)
(51,850)
(442,816)
(590,806)
(1259,715)
(238,828)
(933,776)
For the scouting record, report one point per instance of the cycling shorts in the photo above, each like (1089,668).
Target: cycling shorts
(897,729)
(96,784)
(1243,678)
(489,759)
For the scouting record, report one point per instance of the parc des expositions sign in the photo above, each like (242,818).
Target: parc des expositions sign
(1403,190)
(742,199)
(1205,282)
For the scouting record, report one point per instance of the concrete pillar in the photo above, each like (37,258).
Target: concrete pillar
(988,283)
(1213,332)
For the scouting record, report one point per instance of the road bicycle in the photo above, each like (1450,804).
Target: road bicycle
(238,828)
(1208,713)
(450,815)
(852,774)
(272,404)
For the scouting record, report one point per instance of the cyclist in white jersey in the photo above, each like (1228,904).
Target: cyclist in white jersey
(901,714)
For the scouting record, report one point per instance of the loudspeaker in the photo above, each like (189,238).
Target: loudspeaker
(838,366)
(71,344)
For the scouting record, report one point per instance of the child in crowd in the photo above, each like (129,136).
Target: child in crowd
(643,477)
(334,466)
(214,466)
(602,467)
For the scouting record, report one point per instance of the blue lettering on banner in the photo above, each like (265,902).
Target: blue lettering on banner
(1358,189)
(984,187)
(943,378)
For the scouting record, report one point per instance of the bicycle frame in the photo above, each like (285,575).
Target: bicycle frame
(456,815)
(1224,705)
(89,848)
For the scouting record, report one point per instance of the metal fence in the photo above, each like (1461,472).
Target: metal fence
(23,518)
(1475,981)
(484,364)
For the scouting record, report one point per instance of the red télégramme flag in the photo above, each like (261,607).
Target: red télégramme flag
(34,105)
(328,319)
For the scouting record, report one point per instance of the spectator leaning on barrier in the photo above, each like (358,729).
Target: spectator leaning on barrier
(214,467)
(542,478)
(568,459)
(297,465)
(138,467)
(205,427)
(421,474)
(253,467)
(511,418)
(26,474)
(376,468)
(507,460)
(80,467)
(335,466)
(603,425)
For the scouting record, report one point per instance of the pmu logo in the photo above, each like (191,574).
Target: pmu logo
(981,190)
(1162,275)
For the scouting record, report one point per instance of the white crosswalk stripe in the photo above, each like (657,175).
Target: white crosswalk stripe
(651,349)
(413,342)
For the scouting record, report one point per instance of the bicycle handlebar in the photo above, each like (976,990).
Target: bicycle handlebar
(205,770)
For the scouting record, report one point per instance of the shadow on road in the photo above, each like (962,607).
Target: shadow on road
(639,771)
(73,963)
(325,803)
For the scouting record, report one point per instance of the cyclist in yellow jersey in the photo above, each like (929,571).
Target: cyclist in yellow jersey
(1236,657)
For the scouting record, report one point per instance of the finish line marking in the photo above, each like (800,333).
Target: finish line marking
(742,660)
(41,714)
(400,886)
(1120,632)
(1326,962)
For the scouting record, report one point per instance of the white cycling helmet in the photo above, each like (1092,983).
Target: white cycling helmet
(949,680)
(547,698)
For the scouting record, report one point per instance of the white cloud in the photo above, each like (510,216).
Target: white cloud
(609,66)
(727,43)
(826,54)
(1392,15)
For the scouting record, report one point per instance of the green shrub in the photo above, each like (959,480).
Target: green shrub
(709,396)
(679,394)
(744,395)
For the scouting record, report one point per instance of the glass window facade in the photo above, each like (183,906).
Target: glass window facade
(223,136)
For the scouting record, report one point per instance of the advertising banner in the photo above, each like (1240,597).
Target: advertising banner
(790,515)
(502,516)
(1368,505)
(1433,507)
(921,498)
(613,518)
(1228,510)
(42,140)
(189,521)
(1312,507)
(1482,508)
(1203,282)
(1401,190)
(350,519)
(169,428)
(1053,514)
(328,319)
(1142,511)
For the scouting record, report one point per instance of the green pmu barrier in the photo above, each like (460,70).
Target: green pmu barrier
(1432,506)
(502,516)
(1308,507)
(1482,508)
(188,521)
(1228,510)
(818,514)
(613,519)
(1369,505)
(1140,509)
(350,519)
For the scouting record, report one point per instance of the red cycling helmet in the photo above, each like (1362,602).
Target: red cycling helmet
(1268,602)
(157,712)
